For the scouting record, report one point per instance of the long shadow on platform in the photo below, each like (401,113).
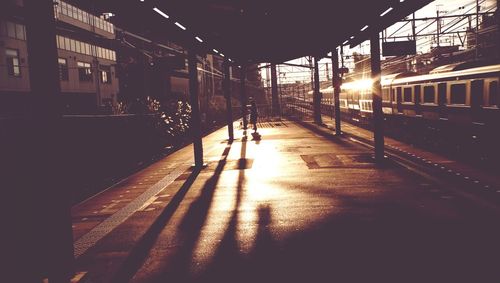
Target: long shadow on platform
(398,246)
(140,252)
(394,242)
(191,226)
(228,260)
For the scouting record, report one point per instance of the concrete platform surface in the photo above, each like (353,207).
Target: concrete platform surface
(483,180)
(291,207)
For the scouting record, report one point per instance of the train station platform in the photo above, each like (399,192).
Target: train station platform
(298,205)
(479,180)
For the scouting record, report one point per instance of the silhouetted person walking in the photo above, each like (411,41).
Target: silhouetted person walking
(253,115)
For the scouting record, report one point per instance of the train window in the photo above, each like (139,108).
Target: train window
(393,94)
(417,91)
(399,94)
(386,95)
(458,93)
(407,94)
(477,93)
(429,94)
(442,91)
(493,99)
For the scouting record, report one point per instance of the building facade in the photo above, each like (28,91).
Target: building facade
(86,58)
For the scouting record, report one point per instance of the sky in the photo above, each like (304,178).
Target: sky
(424,43)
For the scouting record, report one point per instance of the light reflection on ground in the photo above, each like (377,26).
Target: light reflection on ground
(240,194)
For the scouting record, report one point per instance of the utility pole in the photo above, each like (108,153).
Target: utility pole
(311,64)
(438,31)
(45,228)
(477,29)
(243,95)
(226,85)
(274,91)
(195,108)
(378,116)
(413,28)
(498,21)
(337,81)
(316,93)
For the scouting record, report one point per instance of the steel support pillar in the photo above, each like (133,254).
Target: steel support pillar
(274,91)
(243,96)
(378,116)
(44,228)
(227,94)
(337,82)
(195,108)
(317,94)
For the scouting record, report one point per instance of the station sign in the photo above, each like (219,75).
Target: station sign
(399,48)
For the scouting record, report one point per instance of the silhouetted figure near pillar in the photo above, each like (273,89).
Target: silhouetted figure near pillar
(254,116)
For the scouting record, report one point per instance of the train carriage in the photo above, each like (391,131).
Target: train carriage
(458,92)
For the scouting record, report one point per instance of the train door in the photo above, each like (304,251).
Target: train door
(399,99)
(493,94)
(417,93)
(393,98)
(476,99)
(442,100)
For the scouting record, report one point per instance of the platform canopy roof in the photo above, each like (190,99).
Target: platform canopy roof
(256,30)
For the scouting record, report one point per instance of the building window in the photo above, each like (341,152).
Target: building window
(80,15)
(85,17)
(78,47)
(88,49)
(106,74)
(67,45)
(84,72)
(16,31)
(60,42)
(63,69)
(73,45)
(13,66)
